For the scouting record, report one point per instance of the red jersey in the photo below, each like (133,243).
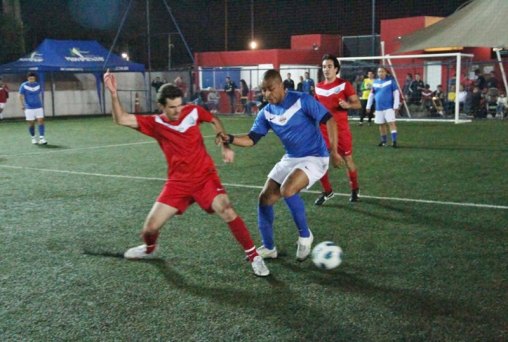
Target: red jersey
(4,94)
(330,94)
(181,142)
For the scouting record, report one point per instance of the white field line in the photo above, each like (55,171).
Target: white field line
(246,186)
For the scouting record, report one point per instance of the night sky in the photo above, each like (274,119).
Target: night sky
(203,22)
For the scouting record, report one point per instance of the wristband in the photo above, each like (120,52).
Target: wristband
(231,137)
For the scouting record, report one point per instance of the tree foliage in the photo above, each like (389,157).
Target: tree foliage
(11,39)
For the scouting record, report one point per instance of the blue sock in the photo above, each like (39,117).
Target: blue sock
(383,138)
(41,130)
(394,136)
(265,225)
(31,130)
(297,208)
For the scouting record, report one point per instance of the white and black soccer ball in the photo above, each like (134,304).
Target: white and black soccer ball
(327,255)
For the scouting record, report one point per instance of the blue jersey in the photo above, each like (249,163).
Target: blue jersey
(32,94)
(296,122)
(383,92)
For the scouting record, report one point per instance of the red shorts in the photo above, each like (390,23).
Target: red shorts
(181,195)
(345,144)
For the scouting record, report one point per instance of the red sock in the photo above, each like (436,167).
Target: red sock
(150,241)
(353,179)
(325,183)
(242,235)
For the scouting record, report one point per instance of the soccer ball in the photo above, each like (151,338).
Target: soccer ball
(327,255)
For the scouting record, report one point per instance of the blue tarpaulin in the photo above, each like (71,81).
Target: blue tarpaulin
(76,56)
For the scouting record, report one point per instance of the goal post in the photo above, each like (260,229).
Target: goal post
(436,68)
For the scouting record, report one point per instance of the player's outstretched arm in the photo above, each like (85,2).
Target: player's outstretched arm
(120,116)
(228,155)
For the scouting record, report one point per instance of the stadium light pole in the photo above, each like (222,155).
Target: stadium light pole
(373,37)
(253,44)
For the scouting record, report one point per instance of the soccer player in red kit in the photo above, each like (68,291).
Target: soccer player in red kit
(192,176)
(338,95)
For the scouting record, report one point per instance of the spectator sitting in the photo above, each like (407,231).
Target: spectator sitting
(502,105)
(476,103)
(461,97)
(212,101)
(450,101)
(427,99)
(438,99)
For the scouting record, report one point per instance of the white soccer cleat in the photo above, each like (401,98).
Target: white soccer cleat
(138,252)
(266,253)
(34,141)
(304,247)
(259,267)
(42,141)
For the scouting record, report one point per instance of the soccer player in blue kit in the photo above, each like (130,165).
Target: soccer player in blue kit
(31,104)
(294,117)
(386,93)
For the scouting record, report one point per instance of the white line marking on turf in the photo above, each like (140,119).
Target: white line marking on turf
(40,152)
(246,186)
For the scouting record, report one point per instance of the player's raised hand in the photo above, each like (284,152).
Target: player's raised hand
(110,81)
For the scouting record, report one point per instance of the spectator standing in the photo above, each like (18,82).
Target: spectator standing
(31,103)
(480,81)
(157,83)
(289,84)
(415,90)
(230,90)
(387,97)
(365,92)
(180,83)
(244,97)
(299,86)
(407,84)
(492,81)
(4,95)
(308,84)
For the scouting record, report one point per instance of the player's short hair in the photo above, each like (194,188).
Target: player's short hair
(31,74)
(332,58)
(272,74)
(168,91)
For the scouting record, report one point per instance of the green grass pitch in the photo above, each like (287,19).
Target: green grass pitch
(426,256)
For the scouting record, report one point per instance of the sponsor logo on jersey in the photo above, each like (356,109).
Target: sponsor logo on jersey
(382,85)
(189,121)
(284,118)
(332,91)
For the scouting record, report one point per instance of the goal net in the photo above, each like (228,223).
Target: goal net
(418,78)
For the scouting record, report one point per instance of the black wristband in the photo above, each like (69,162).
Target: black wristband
(231,137)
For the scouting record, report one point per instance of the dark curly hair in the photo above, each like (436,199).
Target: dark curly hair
(168,91)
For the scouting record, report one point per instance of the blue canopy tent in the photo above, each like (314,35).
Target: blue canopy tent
(76,56)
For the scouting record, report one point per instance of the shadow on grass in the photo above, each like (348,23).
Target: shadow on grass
(280,304)
(50,146)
